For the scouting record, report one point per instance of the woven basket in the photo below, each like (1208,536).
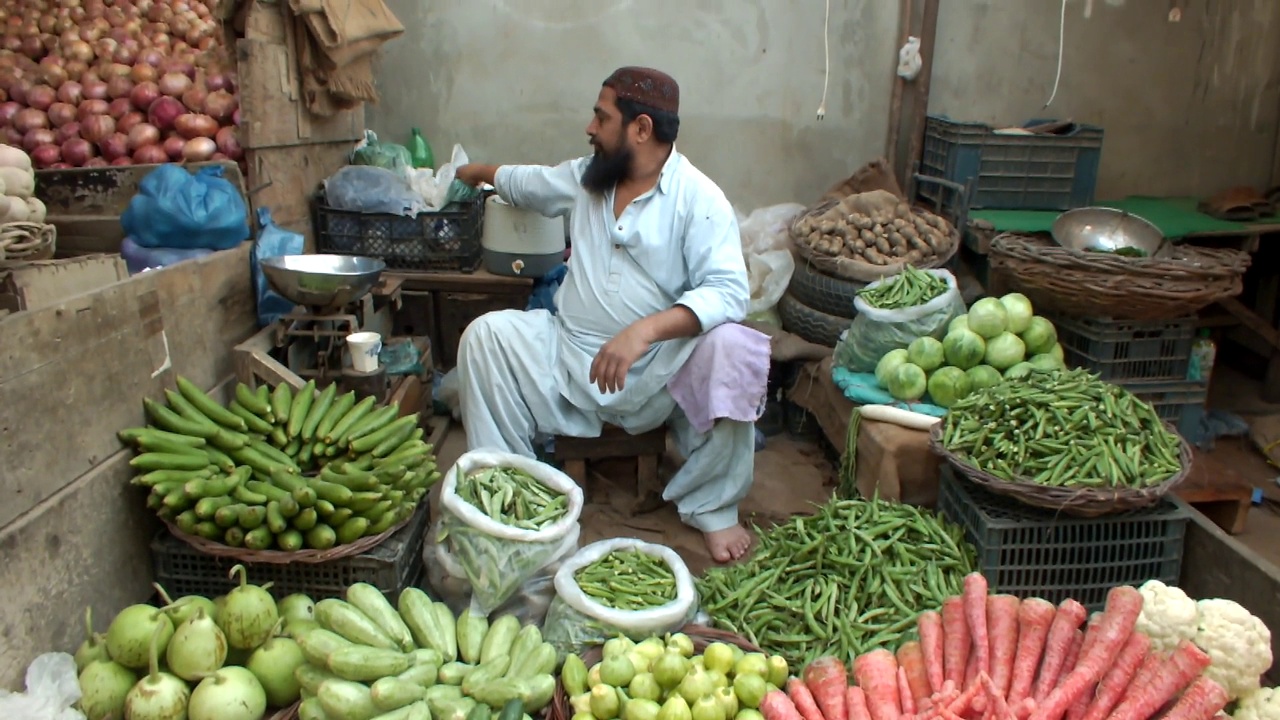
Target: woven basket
(1076,501)
(849,269)
(1089,284)
(280,557)
(26,241)
(701,635)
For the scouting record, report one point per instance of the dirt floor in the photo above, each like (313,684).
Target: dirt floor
(792,473)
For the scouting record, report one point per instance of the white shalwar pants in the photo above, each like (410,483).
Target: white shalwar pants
(510,391)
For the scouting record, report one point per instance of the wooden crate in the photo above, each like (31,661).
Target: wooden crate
(441,305)
(44,282)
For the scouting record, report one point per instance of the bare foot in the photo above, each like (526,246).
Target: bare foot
(729,544)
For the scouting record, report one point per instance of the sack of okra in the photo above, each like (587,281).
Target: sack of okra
(503,520)
(620,586)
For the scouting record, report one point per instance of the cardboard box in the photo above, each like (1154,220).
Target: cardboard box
(46,282)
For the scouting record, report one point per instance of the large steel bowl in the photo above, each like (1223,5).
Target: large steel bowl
(1101,229)
(323,281)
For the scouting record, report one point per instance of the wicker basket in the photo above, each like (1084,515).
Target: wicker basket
(701,635)
(1083,502)
(1088,284)
(280,557)
(26,241)
(850,269)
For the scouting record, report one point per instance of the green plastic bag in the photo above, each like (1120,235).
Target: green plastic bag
(375,153)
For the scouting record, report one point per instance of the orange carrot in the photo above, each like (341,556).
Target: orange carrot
(1111,687)
(803,700)
(971,668)
(1152,664)
(955,640)
(777,706)
(975,613)
(855,702)
(904,694)
(1107,639)
(929,625)
(1002,624)
(996,701)
(1070,616)
(827,681)
(962,704)
(1201,701)
(1025,708)
(911,661)
(1165,681)
(877,674)
(1034,618)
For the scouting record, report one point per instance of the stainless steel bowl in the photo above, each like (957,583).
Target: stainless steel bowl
(323,281)
(1103,229)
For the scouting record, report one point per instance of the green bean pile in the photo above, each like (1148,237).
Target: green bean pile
(1065,428)
(513,497)
(848,579)
(910,288)
(628,580)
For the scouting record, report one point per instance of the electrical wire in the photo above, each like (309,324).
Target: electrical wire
(826,54)
(1062,33)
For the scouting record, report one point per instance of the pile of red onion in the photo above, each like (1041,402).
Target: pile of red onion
(91,83)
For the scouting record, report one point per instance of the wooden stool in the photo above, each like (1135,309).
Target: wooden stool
(614,442)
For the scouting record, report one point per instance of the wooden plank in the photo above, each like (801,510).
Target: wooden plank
(1214,565)
(87,543)
(76,371)
(272,113)
(45,282)
(1253,321)
(480,281)
(284,178)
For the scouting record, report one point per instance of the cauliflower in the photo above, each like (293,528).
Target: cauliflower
(1237,643)
(1168,616)
(1260,704)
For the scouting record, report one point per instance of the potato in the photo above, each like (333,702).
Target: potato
(896,239)
(915,257)
(867,236)
(813,239)
(860,221)
(882,244)
(873,256)
(899,224)
(902,210)
(915,243)
(826,227)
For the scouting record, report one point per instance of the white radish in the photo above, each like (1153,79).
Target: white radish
(898,416)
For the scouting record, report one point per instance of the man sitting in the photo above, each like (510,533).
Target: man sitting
(657,265)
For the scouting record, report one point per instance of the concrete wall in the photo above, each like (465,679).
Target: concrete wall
(1188,107)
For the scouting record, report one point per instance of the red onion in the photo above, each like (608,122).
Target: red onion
(180,66)
(13,136)
(199,149)
(77,151)
(7,111)
(66,132)
(174,84)
(150,155)
(95,162)
(173,146)
(18,91)
(126,54)
(143,134)
(194,125)
(95,89)
(92,107)
(28,119)
(220,105)
(119,107)
(52,75)
(119,87)
(144,95)
(61,113)
(130,119)
(143,72)
(71,92)
(164,111)
(228,143)
(35,138)
(235,117)
(75,68)
(46,155)
(217,81)
(32,47)
(194,98)
(117,145)
(97,128)
(80,50)
(116,70)
(151,57)
(122,161)
(41,97)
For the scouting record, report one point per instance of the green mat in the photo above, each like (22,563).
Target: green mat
(1176,217)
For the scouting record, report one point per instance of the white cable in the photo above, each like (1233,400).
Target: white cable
(826,54)
(1062,32)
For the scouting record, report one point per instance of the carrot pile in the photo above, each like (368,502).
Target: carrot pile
(997,657)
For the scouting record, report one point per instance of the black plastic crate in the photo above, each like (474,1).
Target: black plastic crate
(1123,351)
(1030,552)
(1011,171)
(391,567)
(443,241)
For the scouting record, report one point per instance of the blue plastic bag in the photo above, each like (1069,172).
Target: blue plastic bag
(176,209)
(273,241)
(138,258)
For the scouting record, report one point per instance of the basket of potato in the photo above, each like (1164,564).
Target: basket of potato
(871,235)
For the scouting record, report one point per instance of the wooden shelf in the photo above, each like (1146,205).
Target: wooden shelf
(1218,491)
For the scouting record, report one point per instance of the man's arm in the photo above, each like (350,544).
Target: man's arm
(549,191)
(475,174)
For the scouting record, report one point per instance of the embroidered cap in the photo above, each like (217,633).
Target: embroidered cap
(646,86)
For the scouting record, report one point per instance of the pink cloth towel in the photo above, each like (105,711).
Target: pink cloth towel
(727,376)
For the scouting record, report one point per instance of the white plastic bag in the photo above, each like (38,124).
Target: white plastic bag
(876,331)
(766,228)
(52,691)
(765,243)
(575,621)
(434,185)
(496,558)
(909,61)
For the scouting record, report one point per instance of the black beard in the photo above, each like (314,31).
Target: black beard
(606,170)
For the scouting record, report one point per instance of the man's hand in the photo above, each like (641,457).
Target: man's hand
(609,369)
(475,174)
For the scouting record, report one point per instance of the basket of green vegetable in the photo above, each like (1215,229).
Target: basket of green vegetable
(278,476)
(1065,441)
